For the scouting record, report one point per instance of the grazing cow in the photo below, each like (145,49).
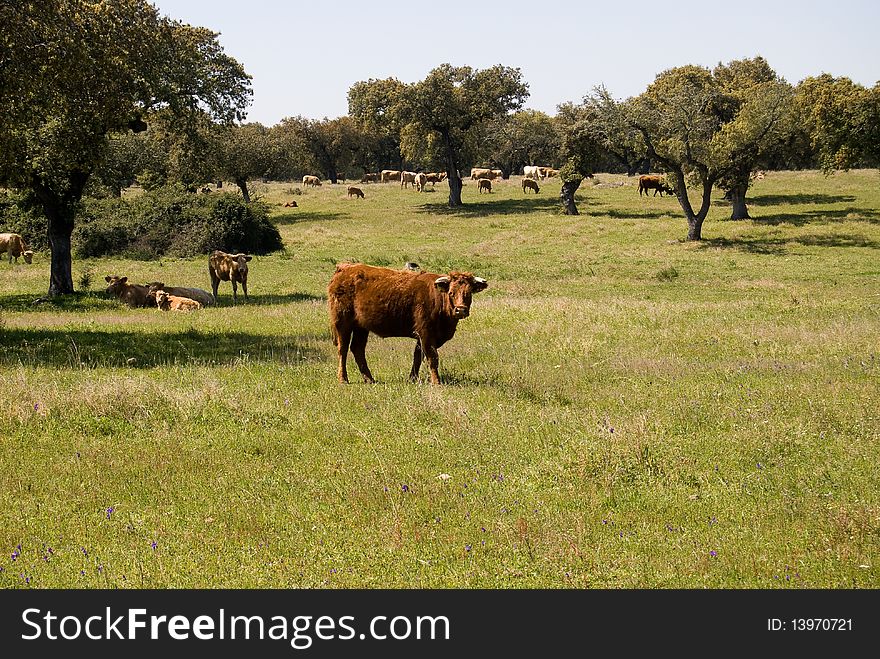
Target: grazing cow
(422,305)
(495,173)
(421,181)
(355,192)
(434,177)
(655,183)
(15,246)
(311,180)
(201,296)
(340,176)
(532,171)
(479,172)
(530,184)
(166,302)
(229,267)
(134,295)
(389,175)
(370,178)
(484,184)
(290,204)
(549,172)
(406,178)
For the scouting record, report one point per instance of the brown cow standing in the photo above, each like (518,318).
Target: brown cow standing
(421,305)
(15,246)
(229,267)
(355,192)
(529,184)
(484,184)
(655,183)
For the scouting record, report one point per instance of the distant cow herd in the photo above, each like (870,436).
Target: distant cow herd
(361,298)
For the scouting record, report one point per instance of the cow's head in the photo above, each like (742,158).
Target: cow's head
(28,256)
(241,260)
(458,287)
(161,299)
(115,284)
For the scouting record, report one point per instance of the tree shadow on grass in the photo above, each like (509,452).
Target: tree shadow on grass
(779,199)
(493,207)
(77,349)
(296,216)
(627,215)
(225,300)
(763,245)
(73,303)
(821,217)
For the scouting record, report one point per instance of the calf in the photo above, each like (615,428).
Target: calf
(421,181)
(370,178)
(406,178)
(484,184)
(355,192)
(655,183)
(15,246)
(290,204)
(201,296)
(134,295)
(166,302)
(421,305)
(229,267)
(529,184)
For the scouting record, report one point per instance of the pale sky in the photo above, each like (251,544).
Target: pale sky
(304,56)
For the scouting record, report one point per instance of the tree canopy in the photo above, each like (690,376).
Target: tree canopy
(72,72)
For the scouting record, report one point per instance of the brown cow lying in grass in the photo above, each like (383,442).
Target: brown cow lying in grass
(201,296)
(166,302)
(421,305)
(229,267)
(484,184)
(15,246)
(529,184)
(134,295)
(355,192)
(655,183)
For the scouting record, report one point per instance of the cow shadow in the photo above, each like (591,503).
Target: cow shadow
(297,216)
(777,246)
(626,215)
(493,207)
(77,349)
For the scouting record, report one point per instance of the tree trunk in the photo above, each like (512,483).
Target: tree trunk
(242,185)
(60,274)
(219,184)
(567,196)
(695,227)
(694,220)
(452,171)
(738,199)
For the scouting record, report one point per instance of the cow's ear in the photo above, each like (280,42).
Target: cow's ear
(108,279)
(248,257)
(480,284)
(122,280)
(442,283)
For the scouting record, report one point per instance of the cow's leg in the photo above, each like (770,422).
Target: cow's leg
(234,290)
(417,362)
(244,288)
(359,350)
(433,361)
(215,282)
(343,338)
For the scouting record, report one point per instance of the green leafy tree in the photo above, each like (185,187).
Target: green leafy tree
(331,143)
(370,106)
(842,119)
(618,138)
(73,72)
(527,137)
(445,107)
(244,152)
(581,149)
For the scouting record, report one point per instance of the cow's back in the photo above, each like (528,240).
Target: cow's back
(381,300)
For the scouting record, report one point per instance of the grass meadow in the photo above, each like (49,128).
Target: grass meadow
(623,409)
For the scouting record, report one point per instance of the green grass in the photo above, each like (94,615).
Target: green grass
(620,404)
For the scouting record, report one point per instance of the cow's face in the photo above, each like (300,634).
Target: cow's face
(161,299)
(115,284)
(241,262)
(459,287)
(28,256)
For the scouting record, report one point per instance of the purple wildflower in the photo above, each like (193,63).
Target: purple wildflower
(467,547)
(404,487)
(15,556)
(154,545)
(483,529)
(100,568)
(714,520)
(713,553)
(760,466)
(36,406)
(109,512)
(85,553)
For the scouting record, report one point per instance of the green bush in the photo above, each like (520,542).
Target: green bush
(170,221)
(17,216)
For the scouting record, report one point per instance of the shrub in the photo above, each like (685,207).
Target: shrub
(18,216)
(170,221)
